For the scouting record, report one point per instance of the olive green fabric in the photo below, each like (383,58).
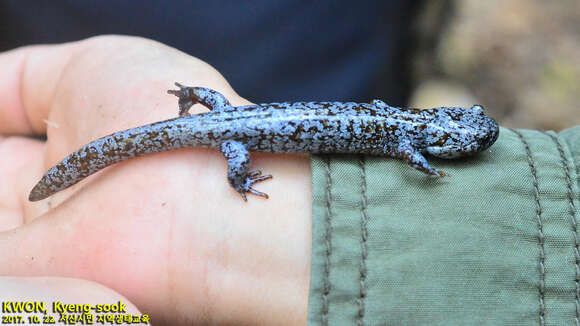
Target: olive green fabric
(494,244)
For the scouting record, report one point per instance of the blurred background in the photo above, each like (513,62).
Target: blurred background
(518,58)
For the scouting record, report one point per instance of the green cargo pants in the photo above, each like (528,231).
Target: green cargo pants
(497,243)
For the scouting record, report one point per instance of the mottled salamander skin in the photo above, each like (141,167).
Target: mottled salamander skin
(303,127)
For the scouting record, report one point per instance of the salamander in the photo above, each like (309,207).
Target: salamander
(373,128)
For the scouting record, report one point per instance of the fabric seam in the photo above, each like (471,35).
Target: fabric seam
(328,242)
(363,243)
(572,210)
(541,237)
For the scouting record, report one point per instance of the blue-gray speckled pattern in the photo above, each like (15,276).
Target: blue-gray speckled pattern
(301,127)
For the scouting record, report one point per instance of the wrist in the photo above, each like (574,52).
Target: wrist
(261,274)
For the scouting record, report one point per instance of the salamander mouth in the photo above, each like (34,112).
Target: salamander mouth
(475,146)
(489,139)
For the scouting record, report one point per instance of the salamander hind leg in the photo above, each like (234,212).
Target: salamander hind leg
(188,96)
(417,161)
(239,177)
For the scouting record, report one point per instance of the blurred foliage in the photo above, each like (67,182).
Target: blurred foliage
(519,58)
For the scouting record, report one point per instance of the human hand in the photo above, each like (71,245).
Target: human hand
(164,230)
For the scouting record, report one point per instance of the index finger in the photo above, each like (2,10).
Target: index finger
(27,86)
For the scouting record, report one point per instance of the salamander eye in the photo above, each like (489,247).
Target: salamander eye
(477,108)
(379,104)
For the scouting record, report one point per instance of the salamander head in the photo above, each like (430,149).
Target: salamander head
(454,132)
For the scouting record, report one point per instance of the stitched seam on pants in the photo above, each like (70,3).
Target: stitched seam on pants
(541,237)
(363,244)
(574,222)
(326,287)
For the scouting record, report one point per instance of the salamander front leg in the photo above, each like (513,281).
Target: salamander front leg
(188,96)
(417,161)
(239,178)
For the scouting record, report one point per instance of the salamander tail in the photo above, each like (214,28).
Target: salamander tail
(108,150)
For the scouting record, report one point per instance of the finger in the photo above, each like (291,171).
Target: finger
(68,242)
(20,164)
(27,85)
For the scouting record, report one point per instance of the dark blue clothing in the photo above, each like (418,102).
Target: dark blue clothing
(268,50)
